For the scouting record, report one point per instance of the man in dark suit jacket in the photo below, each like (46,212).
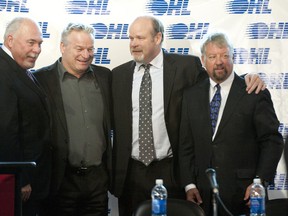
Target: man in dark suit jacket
(170,73)
(246,142)
(286,154)
(80,101)
(24,125)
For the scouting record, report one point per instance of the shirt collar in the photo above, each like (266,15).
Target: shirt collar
(157,62)
(5,49)
(225,83)
(63,72)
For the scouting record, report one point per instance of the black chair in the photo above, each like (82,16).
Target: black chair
(175,207)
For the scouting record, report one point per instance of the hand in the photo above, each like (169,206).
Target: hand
(194,196)
(25,192)
(254,82)
(247,195)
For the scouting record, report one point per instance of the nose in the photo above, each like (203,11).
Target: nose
(219,60)
(133,43)
(85,53)
(37,48)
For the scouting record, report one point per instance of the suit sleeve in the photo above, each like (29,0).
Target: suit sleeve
(186,147)
(10,146)
(268,137)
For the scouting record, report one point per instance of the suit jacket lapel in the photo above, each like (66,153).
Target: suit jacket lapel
(127,90)
(169,70)
(55,91)
(204,104)
(21,74)
(236,92)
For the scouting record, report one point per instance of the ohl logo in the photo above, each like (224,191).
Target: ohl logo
(187,31)
(268,31)
(275,80)
(14,6)
(170,8)
(87,7)
(249,7)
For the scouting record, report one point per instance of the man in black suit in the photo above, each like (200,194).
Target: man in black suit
(24,126)
(80,101)
(133,179)
(245,142)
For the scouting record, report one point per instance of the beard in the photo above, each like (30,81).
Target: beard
(138,58)
(220,77)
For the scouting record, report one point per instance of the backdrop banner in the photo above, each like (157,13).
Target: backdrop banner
(257,28)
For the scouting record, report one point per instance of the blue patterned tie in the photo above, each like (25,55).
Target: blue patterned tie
(214,107)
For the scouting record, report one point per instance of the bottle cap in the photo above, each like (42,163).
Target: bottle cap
(159,181)
(257,181)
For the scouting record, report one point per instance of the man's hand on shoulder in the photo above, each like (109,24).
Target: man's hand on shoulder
(254,82)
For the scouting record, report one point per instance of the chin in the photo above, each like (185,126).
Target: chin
(139,59)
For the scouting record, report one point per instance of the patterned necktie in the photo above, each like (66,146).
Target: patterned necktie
(146,144)
(214,107)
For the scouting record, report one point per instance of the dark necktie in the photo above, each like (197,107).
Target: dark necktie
(146,144)
(214,107)
(29,74)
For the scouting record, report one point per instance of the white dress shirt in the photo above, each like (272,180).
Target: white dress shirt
(160,135)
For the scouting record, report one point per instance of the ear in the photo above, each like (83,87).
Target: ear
(62,47)
(158,37)
(203,60)
(9,41)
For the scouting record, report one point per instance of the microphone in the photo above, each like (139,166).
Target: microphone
(211,174)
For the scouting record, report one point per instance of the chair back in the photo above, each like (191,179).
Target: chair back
(175,207)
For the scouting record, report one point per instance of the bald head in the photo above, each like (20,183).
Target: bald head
(23,38)
(146,36)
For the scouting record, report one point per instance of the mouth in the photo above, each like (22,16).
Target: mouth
(32,58)
(85,61)
(136,52)
(219,69)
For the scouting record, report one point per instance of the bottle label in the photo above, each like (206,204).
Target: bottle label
(257,205)
(158,207)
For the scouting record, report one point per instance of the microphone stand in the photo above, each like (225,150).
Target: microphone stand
(214,202)
(216,198)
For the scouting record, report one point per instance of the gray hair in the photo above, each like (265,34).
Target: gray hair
(76,27)
(157,27)
(218,38)
(15,24)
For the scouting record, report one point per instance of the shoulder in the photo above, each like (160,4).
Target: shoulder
(181,57)
(124,66)
(100,69)
(44,70)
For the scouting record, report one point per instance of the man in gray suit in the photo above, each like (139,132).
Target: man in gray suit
(245,142)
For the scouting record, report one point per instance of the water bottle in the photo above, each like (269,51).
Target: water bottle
(257,198)
(159,199)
